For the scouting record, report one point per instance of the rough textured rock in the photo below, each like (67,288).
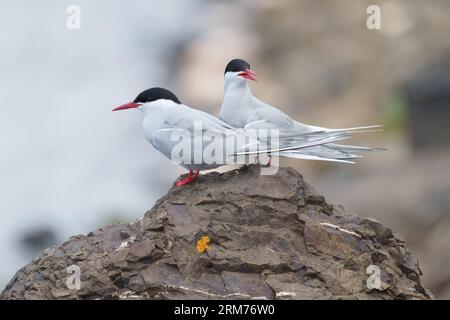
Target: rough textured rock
(270,237)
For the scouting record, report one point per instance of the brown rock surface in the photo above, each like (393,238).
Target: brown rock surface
(270,237)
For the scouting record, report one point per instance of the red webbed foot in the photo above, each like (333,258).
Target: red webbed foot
(190,178)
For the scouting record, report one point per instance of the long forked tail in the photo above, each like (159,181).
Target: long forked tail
(293,143)
(329,152)
(319,131)
(316,145)
(373,128)
(297,155)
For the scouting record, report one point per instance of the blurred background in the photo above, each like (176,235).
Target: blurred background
(69,165)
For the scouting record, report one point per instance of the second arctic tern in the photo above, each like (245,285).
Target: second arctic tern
(243,110)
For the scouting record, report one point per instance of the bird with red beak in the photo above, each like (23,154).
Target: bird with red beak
(241,109)
(169,125)
(237,72)
(238,68)
(157,104)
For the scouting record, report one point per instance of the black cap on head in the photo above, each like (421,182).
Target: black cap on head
(237,65)
(154,94)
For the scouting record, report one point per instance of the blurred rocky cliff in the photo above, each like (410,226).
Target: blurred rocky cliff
(236,235)
(315,60)
(319,62)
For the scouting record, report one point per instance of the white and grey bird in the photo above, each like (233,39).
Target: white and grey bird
(241,109)
(168,122)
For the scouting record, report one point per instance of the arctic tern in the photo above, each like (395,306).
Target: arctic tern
(243,110)
(165,117)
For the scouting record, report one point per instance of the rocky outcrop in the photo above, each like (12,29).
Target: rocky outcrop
(235,235)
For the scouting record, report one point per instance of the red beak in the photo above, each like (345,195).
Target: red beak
(248,74)
(128,105)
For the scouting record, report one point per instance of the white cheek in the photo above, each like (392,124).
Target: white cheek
(232,76)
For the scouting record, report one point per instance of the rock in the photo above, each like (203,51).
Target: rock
(270,237)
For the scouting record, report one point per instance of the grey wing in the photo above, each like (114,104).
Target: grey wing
(266,116)
(165,140)
(178,137)
(187,118)
(217,120)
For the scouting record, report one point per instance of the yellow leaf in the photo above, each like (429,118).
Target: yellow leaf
(203,244)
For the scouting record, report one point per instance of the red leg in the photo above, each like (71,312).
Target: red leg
(189,178)
(185,180)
